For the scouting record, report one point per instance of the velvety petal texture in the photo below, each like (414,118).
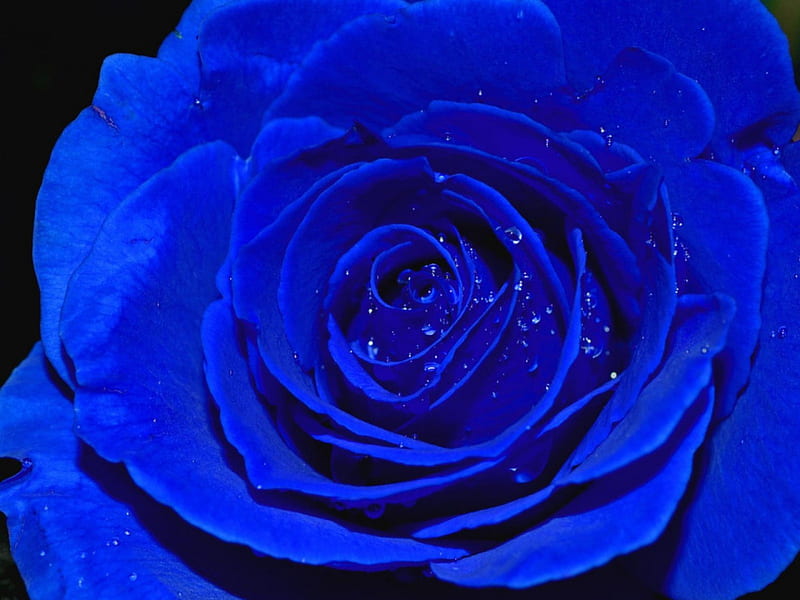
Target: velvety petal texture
(63,553)
(448,298)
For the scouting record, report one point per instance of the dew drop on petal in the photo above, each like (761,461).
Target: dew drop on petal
(779,333)
(513,234)
(430,367)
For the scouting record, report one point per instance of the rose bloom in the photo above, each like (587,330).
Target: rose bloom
(455,299)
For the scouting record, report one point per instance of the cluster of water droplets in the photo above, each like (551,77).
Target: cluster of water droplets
(681,255)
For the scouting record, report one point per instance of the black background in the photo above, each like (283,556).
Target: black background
(50,57)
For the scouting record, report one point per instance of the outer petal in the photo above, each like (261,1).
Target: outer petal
(132,547)
(642,101)
(498,51)
(61,553)
(720,225)
(698,43)
(741,523)
(180,48)
(250,48)
(141,119)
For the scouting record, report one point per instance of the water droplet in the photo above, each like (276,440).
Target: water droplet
(45,507)
(83,555)
(779,333)
(666,123)
(549,309)
(133,577)
(430,367)
(80,582)
(606,328)
(534,365)
(704,350)
(113,542)
(480,93)
(536,318)
(513,234)
(518,286)
(42,553)
(448,137)
(520,15)
(126,532)
(372,349)
(439,178)
(613,375)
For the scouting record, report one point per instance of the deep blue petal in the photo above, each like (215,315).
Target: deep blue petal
(141,119)
(249,49)
(699,44)
(270,463)
(497,51)
(720,228)
(60,552)
(281,138)
(700,328)
(611,517)
(751,519)
(657,314)
(642,102)
(310,257)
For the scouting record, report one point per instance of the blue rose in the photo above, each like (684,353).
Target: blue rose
(418,299)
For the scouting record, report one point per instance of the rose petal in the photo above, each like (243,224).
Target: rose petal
(431,51)
(241,74)
(141,119)
(567,544)
(698,43)
(746,500)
